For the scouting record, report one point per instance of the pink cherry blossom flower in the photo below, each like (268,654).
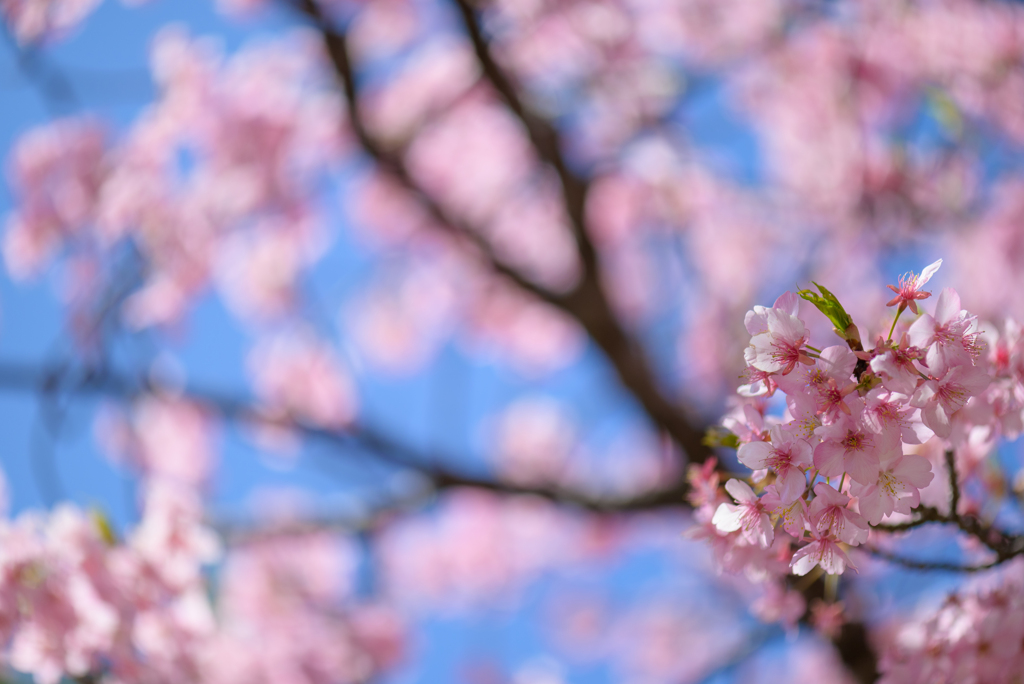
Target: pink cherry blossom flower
(822,388)
(824,551)
(57,172)
(704,493)
(165,437)
(781,347)
(779,604)
(897,368)
(804,422)
(830,515)
(849,446)
(746,419)
(33,20)
(747,515)
(760,383)
(949,337)
(535,439)
(940,399)
(900,478)
(300,377)
(786,455)
(889,416)
(910,291)
(828,618)
(793,515)
(756,320)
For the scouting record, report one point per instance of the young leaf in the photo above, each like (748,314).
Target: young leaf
(828,304)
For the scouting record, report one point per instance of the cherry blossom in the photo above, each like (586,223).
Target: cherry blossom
(57,174)
(909,291)
(823,550)
(949,337)
(940,399)
(848,446)
(897,368)
(32,20)
(888,416)
(788,457)
(380,194)
(824,387)
(792,515)
(842,420)
(747,515)
(900,479)
(780,347)
(830,515)
(300,376)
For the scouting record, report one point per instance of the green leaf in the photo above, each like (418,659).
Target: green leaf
(828,304)
(946,112)
(717,436)
(102,523)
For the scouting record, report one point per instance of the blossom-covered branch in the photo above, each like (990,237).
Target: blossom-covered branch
(844,453)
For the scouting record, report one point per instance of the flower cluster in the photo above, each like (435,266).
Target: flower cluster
(837,460)
(73,599)
(974,636)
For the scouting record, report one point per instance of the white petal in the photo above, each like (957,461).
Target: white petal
(728,517)
(928,272)
(804,560)
(740,491)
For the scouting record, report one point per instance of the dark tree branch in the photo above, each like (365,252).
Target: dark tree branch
(855,650)
(435,469)
(940,566)
(431,467)
(54,87)
(587,303)
(336,43)
(543,135)
(1005,546)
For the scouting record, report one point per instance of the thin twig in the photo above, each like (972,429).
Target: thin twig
(954,483)
(543,135)
(58,94)
(942,566)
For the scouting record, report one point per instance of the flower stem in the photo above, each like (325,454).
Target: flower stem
(811,578)
(898,312)
(831,585)
(841,480)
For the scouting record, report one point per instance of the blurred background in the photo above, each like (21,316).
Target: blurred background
(406,289)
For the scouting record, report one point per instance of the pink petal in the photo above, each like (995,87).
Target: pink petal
(948,306)
(862,466)
(828,458)
(754,455)
(922,331)
(934,416)
(792,486)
